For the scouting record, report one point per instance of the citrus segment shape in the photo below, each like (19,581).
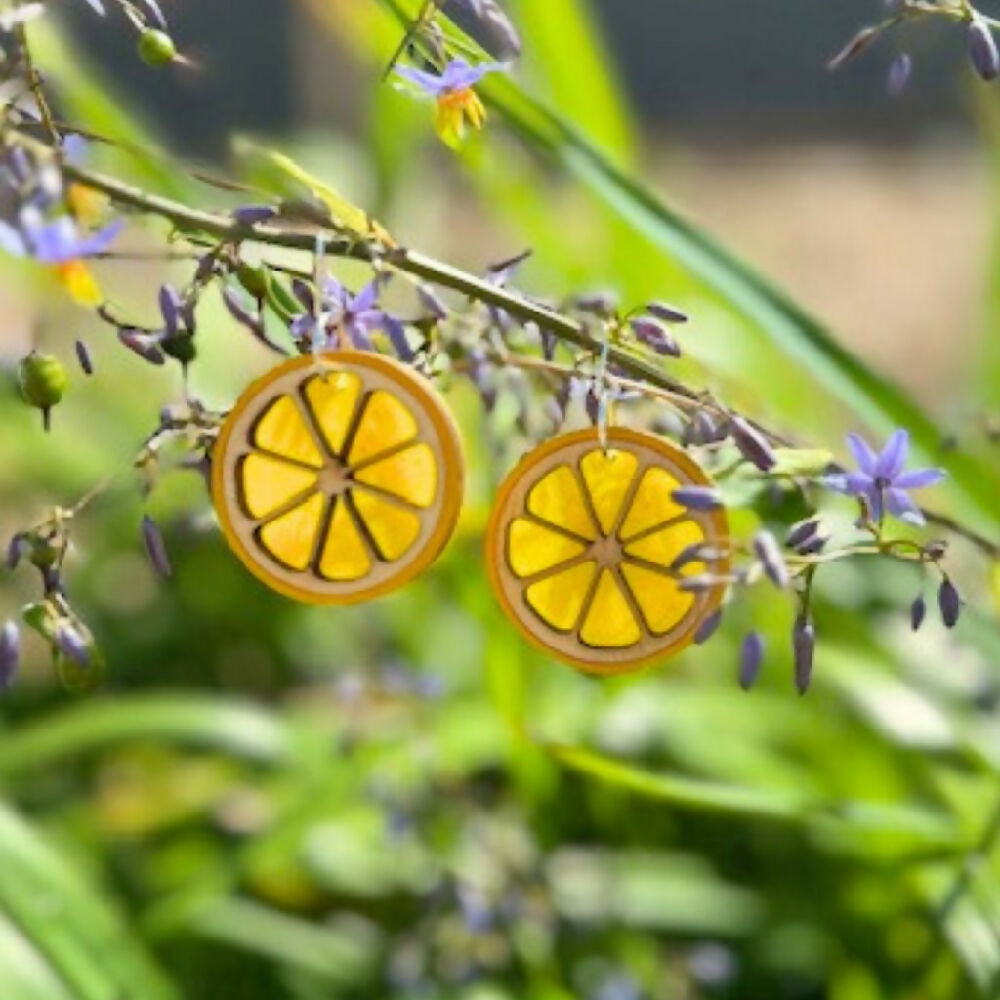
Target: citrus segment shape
(582,543)
(338,478)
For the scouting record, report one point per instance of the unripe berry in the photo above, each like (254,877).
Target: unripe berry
(156,48)
(253,279)
(42,380)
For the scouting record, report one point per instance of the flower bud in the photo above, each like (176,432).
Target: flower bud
(15,549)
(804,649)
(156,548)
(766,548)
(983,49)
(253,215)
(253,278)
(918,612)
(668,313)
(10,654)
(697,497)
(653,334)
(42,380)
(156,48)
(708,627)
(753,446)
(802,532)
(72,645)
(950,603)
(143,344)
(84,358)
(751,659)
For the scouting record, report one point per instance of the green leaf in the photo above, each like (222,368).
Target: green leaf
(233,728)
(566,55)
(681,791)
(83,941)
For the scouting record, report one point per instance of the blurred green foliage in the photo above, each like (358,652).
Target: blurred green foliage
(402,800)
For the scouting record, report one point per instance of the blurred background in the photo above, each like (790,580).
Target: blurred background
(402,800)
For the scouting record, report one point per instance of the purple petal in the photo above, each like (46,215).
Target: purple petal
(900,505)
(917,479)
(359,336)
(96,5)
(11,241)
(893,457)
(875,502)
(427,82)
(397,334)
(100,241)
(459,75)
(863,453)
(366,299)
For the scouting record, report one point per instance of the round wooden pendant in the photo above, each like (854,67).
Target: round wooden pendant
(580,545)
(338,478)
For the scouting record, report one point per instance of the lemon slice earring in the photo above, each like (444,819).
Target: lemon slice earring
(338,478)
(580,547)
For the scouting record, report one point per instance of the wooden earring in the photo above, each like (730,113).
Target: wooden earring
(581,544)
(338,478)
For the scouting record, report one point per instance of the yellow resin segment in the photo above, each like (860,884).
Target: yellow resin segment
(338,478)
(582,543)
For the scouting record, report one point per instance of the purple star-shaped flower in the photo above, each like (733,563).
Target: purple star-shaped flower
(358,315)
(881,480)
(54,241)
(457,76)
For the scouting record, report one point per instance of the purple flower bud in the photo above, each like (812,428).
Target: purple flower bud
(697,497)
(248,320)
(814,546)
(983,49)
(900,71)
(751,659)
(172,309)
(652,333)
(702,429)
(15,549)
(10,654)
(143,344)
(598,303)
(431,302)
(253,215)
(698,584)
(708,627)
(766,548)
(753,446)
(668,313)
(695,552)
(72,645)
(83,357)
(802,532)
(804,649)
(918,612)
(950,603)
(156,548)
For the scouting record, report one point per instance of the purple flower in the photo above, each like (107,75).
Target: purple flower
(452,90)
(54,241)
(342,313)
(881,479)
(456,77)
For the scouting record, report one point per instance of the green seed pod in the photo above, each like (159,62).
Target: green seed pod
(42,380)
(156,48)
(181,348)
(254,279)
(38,617)
(43,551)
